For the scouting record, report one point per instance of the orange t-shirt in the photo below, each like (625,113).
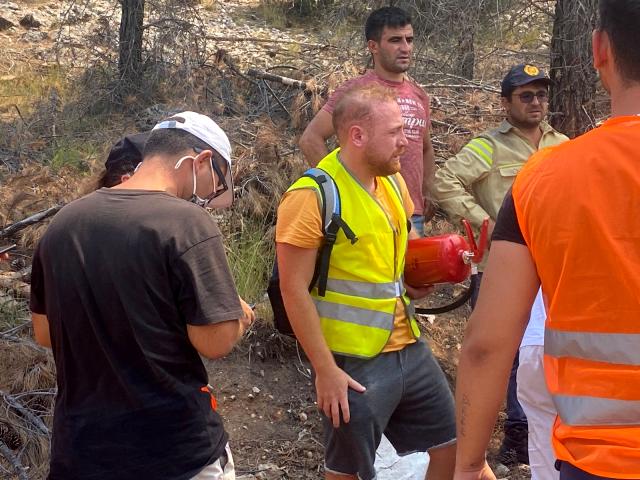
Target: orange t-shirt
(300,224)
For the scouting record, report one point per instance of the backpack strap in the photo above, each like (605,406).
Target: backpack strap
(332,222)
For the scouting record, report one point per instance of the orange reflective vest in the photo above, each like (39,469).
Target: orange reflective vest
(578,206)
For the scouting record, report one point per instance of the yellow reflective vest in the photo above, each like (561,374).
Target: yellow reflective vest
(365,278)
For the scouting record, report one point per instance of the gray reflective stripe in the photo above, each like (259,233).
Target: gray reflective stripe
(396,186)
(330,197)
(357,315)
(411,309)
(365,289)
(575,410)
(620,348)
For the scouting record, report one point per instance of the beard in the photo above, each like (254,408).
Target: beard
(383,165)
(390,65)
(530,123)
(525,121)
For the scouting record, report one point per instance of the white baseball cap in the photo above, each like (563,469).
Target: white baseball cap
(209,132)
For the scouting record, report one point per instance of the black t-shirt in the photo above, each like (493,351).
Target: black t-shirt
(507,227)
(120,274)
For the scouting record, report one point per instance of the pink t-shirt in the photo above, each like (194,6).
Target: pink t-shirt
(414,103)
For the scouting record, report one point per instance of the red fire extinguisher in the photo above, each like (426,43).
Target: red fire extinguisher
(446,258)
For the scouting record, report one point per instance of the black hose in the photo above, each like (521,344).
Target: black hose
(458,302)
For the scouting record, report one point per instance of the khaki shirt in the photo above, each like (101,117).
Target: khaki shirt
(473,184)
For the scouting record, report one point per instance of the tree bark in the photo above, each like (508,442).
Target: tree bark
(466,56)
(466,21)
(130,47)
(574,89)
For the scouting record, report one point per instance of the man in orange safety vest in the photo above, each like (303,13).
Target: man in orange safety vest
(571,224)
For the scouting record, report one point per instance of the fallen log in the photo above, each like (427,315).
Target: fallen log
(462,86)
(252,72)
(268,40)
(35,218)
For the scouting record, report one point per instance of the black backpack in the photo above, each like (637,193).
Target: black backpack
(332,222)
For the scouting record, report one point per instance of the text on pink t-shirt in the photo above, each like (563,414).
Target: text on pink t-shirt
(414,104)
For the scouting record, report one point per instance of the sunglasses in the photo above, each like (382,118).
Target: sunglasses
(527,97)
(222,183)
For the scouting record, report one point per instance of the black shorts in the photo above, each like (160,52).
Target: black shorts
(407,398)
(569,472)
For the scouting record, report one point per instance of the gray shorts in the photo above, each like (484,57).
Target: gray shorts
(407,398)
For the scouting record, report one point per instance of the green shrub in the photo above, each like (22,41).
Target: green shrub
(250,251)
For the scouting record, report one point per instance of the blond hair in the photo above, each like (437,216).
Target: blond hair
(357,104)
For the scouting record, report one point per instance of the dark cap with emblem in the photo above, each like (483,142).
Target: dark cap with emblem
(127,151)
(522,74)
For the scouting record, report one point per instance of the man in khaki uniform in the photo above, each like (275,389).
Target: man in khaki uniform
(473,184)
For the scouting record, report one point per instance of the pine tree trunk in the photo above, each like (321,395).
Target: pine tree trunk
(466,56)
(130,50)
(573,94)
(466,21)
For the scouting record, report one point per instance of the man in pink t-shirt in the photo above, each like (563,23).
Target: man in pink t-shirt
(389,37)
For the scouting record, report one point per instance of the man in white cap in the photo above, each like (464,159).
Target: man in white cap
(129,285)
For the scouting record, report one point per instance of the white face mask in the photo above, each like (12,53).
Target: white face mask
(201,202)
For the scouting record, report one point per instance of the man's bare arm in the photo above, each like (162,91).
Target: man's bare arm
(313,139)
(217,340)
(296,266)
(493,334)
(41,329)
